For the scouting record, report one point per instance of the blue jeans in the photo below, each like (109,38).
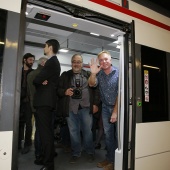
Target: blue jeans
(110,130)
(81,121)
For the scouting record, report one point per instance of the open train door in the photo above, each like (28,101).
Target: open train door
(125,153)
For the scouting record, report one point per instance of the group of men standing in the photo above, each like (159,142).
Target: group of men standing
(79,94)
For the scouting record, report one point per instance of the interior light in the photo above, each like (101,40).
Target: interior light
(112,35)
(26,13)
(63,50)
(151,67)
(116,42)
(74,25)
(94,34)
(118,46)
(2,42)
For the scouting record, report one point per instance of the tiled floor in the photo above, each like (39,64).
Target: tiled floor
(26,162)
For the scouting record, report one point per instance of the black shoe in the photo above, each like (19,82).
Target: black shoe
(98,146)
(39,160)
(25,150)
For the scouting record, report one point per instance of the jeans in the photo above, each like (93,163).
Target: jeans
(110,130)
(81,121)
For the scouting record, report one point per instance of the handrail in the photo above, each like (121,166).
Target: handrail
(119,102)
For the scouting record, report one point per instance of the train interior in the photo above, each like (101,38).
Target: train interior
(75,35)
(145,91)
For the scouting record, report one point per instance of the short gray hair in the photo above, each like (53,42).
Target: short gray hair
(42,59)
(72,58)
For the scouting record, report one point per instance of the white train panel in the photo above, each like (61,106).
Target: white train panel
(151,36)
(154,162)
(148,12)
(11,5)
(152,138)
(6,150)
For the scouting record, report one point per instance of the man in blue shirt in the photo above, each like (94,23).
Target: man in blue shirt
(107,76)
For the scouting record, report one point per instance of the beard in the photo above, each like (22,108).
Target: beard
(76,70)
(29,65)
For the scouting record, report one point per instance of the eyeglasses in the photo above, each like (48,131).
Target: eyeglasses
(76,62)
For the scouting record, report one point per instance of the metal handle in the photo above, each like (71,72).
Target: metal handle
(119,102)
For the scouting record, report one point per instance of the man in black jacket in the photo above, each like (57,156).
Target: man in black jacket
(31,92)
(77,104)
(25,117)
(45,101)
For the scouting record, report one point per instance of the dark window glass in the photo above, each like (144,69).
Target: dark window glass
(3,19)
(154,85)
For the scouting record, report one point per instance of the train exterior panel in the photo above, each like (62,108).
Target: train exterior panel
(152,30)
(11,5)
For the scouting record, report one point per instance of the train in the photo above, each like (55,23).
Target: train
(138,39)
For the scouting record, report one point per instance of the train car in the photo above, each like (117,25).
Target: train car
(138,39)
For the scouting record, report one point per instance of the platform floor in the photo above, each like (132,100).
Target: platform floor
(26,161)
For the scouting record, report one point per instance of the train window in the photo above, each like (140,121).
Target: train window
(154,86)
(3,19)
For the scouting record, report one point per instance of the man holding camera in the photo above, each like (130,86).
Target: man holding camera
(77,104)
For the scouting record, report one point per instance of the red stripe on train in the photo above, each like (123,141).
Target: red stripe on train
(131,13)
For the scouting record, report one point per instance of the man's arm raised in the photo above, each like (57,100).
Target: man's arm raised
(94,70)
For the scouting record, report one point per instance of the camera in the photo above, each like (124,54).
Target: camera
(77,91)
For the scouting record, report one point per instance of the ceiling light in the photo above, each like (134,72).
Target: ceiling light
(116,42)
(26,13)
(63,50)
(118,46)
(74,25)
(2,42)
(94,34)
(112,35)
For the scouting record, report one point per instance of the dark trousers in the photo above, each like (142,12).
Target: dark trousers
(37,139)
(44,117)
(65,135)
(25,120)
(97,125)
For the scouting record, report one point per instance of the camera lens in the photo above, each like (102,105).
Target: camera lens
(77,92)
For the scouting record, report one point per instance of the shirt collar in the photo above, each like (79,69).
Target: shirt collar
(49,57)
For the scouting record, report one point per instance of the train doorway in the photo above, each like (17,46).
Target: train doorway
(78,39)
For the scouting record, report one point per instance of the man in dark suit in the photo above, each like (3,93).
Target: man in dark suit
(45,101)
(31,91)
